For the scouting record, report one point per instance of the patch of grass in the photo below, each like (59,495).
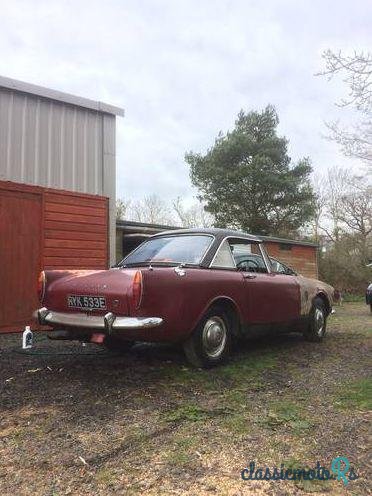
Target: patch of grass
(190,413)
(186,442)
(250,368)
(352,320)
(179,458)
(175,373)
(183,450)
(281,412)
(234,398)
(355,395)
(106,476)
(237,423)
(288,414)
(238,371)
(353,298)
(300,426)
(181,377)
(193,413)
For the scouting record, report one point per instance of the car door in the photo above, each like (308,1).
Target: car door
(270,297)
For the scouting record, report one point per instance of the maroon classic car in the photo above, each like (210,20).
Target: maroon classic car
(200,287)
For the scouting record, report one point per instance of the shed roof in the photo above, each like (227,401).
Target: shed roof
(135,227)
(59,96)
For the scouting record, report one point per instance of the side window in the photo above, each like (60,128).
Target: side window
(280,268)
(247,256)
(224,258)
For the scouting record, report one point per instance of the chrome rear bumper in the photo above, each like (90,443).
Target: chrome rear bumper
(108,322)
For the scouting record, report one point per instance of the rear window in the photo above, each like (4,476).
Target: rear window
(186,249)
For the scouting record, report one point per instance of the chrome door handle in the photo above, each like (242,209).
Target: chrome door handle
(249,276)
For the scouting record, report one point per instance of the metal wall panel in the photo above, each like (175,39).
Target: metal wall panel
(53,144)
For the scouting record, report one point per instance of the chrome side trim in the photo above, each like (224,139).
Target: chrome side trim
(108,323)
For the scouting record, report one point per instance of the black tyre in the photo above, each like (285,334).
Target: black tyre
(210,343)
(118,345)
(318,322)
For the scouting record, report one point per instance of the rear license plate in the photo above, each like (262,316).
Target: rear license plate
(83,302)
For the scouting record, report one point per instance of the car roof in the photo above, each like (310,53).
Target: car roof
(214,231)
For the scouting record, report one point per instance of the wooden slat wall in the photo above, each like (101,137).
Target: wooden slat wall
(20,253)
(301,258)
(75,231)
(56,230)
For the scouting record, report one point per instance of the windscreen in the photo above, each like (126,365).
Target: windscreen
(186,249)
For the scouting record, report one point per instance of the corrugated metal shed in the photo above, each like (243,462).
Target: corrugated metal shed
(57,140)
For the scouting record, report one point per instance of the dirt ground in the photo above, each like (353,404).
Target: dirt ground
(81,421)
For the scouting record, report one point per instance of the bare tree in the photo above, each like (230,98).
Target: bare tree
(321,197)
(356,70)
(122,209)
(151,209)
(337,183)
(344,205)
(355,141)
(330,189)
(356,214)
(356,211)
(154,210)
(345,216)
(194,216)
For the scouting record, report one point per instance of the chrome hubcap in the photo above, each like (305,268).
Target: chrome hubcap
(214,337)
(319,321)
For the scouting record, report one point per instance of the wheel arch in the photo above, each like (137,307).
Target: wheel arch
(232,310)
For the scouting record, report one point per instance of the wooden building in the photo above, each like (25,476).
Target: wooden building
(57,190)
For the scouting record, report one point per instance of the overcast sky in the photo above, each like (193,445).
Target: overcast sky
(182,70)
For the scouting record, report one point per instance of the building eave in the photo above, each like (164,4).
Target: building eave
(59,96)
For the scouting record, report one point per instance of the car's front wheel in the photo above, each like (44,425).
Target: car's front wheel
(210,342)
(318,322)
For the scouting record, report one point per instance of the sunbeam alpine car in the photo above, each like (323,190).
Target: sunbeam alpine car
(203,288)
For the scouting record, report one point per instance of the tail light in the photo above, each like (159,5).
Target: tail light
(41,283)
(137,290)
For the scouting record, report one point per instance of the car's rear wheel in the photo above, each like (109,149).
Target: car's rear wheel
(318,322)
(210,342)
(118,345)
